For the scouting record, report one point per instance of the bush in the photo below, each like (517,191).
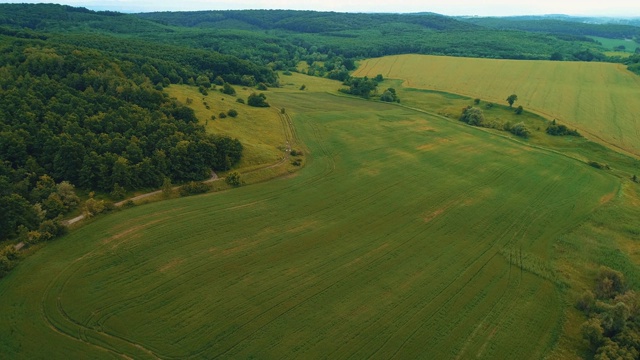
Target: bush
(472,116)
(560,130)
(303,87)
(193,188)
(296,152)
(261,86)
(233,179)
(233,113)
(519,110)
(476,101)
(489,105)
(228,89)
(240,100)
(257,100)
(520,130)
(598,165)
(609,283)
(222,115)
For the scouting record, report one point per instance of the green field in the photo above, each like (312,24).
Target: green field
(597,98)
(406,235)
(611,44)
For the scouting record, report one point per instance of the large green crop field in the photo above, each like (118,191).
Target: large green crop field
(599,99)
(406,235)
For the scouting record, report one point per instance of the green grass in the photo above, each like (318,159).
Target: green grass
(599,99)
(393,241)
(611,44)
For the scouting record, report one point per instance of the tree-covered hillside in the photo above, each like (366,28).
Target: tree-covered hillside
(281,38)
(78,117)
(557,26)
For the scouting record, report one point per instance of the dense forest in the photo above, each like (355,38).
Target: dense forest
(79,118)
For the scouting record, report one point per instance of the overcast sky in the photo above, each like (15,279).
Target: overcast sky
(448,7)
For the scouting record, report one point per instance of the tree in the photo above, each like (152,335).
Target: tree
(592,332)
(609,283)
(167,188)
(521,130)
(511,99)
(233,113)
(472,116)
(519,110)
(233,179)
(228,89)
(390,95)
(257,100)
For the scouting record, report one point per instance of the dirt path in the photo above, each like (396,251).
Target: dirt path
(289,135)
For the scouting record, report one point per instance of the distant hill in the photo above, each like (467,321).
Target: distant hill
(561,24)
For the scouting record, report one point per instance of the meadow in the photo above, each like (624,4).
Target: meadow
(406,235)
(599,99)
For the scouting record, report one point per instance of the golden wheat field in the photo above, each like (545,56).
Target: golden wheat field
(599,99)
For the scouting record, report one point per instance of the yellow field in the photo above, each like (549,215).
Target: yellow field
(259,129)
(599,99)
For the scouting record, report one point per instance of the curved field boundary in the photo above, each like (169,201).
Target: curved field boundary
(290,137)
(599,99)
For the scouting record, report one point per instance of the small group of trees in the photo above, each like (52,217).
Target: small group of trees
(390,96)
(612,328)
(556,129)
(475,117)
(363,87)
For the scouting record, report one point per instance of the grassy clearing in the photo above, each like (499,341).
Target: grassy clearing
(599,99)
(612,44)
(259,129)
(390,243)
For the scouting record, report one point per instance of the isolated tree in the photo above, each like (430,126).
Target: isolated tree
(511,99)
(257,100)
(233,113)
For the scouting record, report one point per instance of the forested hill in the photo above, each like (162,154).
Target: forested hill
(304,21)
(568,26)
(282,38)
(353,35)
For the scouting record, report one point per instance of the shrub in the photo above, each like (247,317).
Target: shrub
(521,130)
(489,105)
(476,101)
(228,89)
(261,86)
(193,188)
(233,113)
(519,110)
(303,87)
(296,152)
(560,130)
(598,165)
(472,116)
(233,179)
(240,100)
(222,115)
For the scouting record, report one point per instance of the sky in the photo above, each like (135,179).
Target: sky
(626,8)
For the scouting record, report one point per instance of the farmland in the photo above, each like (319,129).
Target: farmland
(406,235)
(599,99)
